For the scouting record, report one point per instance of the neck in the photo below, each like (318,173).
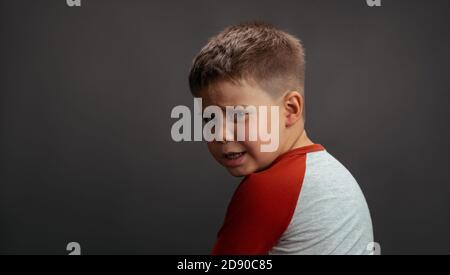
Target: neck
(302,140)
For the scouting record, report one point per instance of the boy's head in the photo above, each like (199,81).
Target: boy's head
(252,64)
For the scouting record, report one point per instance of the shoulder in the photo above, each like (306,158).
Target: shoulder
(283,177)
(261,209)
(274,191)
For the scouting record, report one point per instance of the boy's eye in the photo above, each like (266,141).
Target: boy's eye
(237,116)
(240,114)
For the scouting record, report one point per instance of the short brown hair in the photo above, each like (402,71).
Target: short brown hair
(257,51)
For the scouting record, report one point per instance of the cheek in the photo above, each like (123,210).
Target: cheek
(262,159)
(254,151)
(214,149)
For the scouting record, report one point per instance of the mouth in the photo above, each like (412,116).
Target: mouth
(234,159)
(233,155)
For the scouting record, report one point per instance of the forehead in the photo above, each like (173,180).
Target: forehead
(227,93)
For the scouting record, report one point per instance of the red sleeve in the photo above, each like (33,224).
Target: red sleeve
(261,209)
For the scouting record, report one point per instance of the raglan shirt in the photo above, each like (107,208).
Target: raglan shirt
(305,203)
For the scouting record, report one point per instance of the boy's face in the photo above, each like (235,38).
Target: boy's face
(242,158)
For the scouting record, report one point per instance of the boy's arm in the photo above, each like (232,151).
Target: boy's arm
(259,212)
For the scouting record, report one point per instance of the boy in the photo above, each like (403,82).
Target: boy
(296,199)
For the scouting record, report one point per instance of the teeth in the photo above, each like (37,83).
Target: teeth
(233,155)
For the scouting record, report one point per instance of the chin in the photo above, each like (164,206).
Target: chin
(238,172)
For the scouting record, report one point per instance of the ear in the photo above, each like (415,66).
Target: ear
(293,105)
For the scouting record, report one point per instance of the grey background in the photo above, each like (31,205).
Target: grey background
(86,95)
